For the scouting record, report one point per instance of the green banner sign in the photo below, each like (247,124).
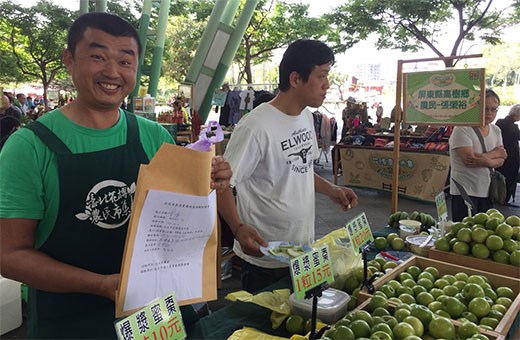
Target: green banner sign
(359,231)
(450,97)
(310,270)
(161,319)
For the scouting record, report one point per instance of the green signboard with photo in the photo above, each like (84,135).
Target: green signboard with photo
(449,97)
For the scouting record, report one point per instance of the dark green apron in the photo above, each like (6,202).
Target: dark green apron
(96,190)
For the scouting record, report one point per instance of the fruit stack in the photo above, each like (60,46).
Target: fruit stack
(426,220)
(481,239)
(411,322)
(469,298)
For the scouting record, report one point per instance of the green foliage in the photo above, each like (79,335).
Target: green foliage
(409,25)
(274,25)
(503,63)
(36,38)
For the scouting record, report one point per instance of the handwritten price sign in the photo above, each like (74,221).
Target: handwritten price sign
(161,319)
(359,231)
(310,270)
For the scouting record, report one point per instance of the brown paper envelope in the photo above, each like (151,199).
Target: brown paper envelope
(181,170)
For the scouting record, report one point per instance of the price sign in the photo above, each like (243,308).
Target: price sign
(359,231)
(310,270)
(442,209)
(161,319)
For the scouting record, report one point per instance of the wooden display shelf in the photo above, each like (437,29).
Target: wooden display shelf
(487,265)
(495,280)
(492,335)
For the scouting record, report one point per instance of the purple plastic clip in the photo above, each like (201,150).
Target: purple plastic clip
(209,135)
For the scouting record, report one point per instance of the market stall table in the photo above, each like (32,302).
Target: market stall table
(422,174)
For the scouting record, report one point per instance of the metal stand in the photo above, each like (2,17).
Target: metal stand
(367,282)
(315,293)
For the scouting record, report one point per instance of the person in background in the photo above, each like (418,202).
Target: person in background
(51,169)
(470,164)
(510,137)
(9,109)
(30,107)
(20,97)
(271,153)
(8,125)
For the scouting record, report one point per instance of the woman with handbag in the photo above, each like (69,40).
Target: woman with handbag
(474,154)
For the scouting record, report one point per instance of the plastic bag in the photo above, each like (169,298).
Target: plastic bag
(277,301)
(345,261)
(249,333)
(210,135)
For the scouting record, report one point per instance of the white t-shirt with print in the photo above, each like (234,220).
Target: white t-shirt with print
(271,155)
(474,180)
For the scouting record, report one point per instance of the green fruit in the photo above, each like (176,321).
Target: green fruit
(479,235)
(363,315)
(494,242)
(510,246)
(469,316)
(467,329)
(434,271)
(380,335)
(479,306)
(480,218)
(426,275)
(400,314)
(464,235)
(504,301)
(402,330)
(382,327)
(473,290)
(480,251)
(501,256)
(505,292)
(343,332)
(360,328)
(390,237)
(377,301)
(414,271)
(441,328)
(294,324)
(380,242)
(423,313)
(424,298)
(416,324)
(453,307)
(491,322)
(492,223)
(397,243)
(461,248)
(513,221)
(504,230)
(514,258)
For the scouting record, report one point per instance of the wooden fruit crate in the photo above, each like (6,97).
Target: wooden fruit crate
(492,335)
(487,265)
(495,280)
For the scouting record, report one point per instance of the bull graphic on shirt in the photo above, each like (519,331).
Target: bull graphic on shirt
(302,153)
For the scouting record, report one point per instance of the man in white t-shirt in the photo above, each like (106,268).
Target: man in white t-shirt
(271,153)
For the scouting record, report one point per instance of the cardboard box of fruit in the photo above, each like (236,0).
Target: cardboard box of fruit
(401,321)
(486,241)
(474,262)
(485,298)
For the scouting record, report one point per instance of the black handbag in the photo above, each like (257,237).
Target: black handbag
(497,188)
